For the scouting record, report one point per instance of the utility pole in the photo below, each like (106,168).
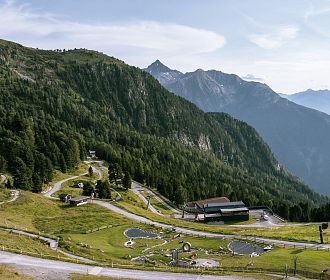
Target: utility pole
(321,228)
(321,234)
(295,265)
(149,197)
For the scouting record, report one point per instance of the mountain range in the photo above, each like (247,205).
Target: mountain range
(315,99)
(298,136)
(56,104)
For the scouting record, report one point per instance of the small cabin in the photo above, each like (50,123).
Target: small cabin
(64,197)
(79,200)
(92,154)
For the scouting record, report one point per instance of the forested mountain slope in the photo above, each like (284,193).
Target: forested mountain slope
(55,105)
(298,136)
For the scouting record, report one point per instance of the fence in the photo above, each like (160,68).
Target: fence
(308,274)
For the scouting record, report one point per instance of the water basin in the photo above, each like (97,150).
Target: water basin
(243,248)
(139,233)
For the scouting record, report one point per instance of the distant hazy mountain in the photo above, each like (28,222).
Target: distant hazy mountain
(315,99)
(298,136)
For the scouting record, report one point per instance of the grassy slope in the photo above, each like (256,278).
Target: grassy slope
(4,194)
(17,243)
(8,273)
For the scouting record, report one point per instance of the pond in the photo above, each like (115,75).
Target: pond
(139,233)
(244,248)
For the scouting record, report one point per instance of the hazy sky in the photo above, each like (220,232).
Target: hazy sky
(285,44)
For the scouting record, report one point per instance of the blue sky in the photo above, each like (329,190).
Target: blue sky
(285,44)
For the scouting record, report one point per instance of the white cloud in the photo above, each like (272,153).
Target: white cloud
(296,72)
(251,77)
(318,19)
(51,31)
(276,38)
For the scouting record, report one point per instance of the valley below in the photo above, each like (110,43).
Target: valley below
(94,235)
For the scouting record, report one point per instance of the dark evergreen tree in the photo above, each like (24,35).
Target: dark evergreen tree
(90,171)
(88,189)
(37,183)
(3,164)
(103,189)
(127,181)
(22,175)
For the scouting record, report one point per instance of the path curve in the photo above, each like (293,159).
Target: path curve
(58,185)
(16,194)
(95,170)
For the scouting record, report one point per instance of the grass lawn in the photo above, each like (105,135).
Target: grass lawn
(8,273)
(4,194)
(110,242)
(25,209)
(79,219)
(68,188)
(155,203)
(308,260)
(20,243)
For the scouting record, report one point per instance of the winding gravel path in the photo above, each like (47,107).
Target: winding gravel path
(137,186)
(58,185)
(16,194)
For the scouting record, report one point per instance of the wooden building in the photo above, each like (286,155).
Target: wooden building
(218,209)
(79,200)
(64,197)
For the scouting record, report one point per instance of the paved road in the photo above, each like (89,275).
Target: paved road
(36,263)
(136,188)
(150,192)
(95,170)
(58,186)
